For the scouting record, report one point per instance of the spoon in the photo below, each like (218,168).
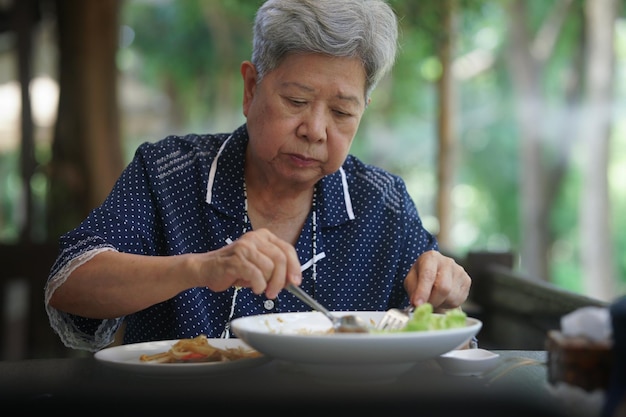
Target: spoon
(341,324)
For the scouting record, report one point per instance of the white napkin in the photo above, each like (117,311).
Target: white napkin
(593,323)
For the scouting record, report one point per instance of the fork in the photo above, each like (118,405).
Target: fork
(395,318)
(342,324)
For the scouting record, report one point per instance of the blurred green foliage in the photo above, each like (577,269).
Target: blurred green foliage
(179,51)
(190,52)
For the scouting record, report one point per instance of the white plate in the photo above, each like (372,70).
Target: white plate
(127,357)
(468,362)
(299,338)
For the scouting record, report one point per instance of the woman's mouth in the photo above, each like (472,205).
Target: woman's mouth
(302,160)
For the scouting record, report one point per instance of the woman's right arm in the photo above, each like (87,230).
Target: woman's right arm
(114,284)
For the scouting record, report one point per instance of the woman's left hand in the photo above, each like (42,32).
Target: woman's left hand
(437,279)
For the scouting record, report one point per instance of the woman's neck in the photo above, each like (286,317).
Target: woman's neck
(283,213)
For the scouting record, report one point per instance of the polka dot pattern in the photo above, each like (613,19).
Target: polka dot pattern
(159,207)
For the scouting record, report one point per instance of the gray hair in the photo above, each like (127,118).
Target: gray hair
(366,29)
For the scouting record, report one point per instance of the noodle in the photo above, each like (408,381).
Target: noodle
(198,349)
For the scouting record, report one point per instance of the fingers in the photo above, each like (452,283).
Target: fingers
(421,280)
(258,260)
(439,280)
(286,268)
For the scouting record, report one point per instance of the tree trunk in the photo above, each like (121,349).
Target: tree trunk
(525,70)
(23,22)
(596,247)
(446,125)
(87,152)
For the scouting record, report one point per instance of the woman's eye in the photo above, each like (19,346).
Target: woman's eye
(341,113)
(296,102)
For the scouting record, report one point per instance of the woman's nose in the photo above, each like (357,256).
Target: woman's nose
(313,126)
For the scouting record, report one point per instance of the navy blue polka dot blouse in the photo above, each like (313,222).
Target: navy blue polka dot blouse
(185,194)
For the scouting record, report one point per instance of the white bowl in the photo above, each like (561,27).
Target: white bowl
(303,339)
(468,362)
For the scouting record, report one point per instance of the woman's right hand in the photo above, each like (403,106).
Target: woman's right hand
(258,260)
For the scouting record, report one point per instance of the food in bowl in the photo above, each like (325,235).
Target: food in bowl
(424,319)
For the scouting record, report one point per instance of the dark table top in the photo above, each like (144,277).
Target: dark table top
(85,386)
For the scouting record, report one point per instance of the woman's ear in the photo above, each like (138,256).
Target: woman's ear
(249,75)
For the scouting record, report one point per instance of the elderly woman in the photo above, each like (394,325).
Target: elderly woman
(202,229)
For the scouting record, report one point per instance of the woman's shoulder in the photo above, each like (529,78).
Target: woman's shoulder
(366,174)
(178,145)
(371,185)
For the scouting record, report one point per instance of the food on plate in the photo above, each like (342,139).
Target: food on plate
(424,319)
(198,349)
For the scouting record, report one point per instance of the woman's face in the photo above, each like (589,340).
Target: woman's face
(302,117)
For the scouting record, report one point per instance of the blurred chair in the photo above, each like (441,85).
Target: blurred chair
(24,328)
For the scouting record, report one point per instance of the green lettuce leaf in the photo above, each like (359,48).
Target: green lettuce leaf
(424,319)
